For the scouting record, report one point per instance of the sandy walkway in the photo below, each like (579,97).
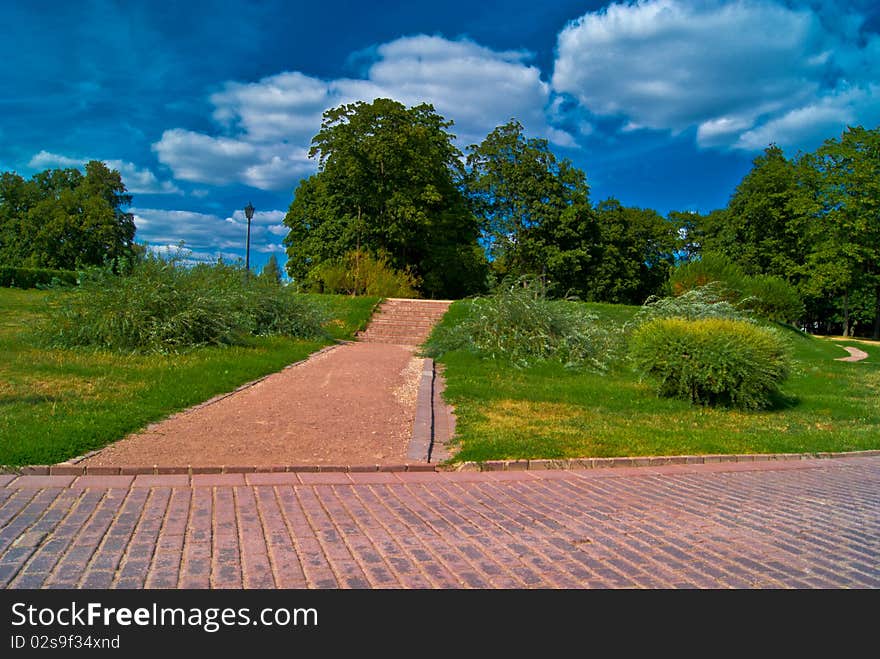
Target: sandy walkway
(353,404)
(855,355)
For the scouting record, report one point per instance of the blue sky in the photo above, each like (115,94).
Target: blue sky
(204,106)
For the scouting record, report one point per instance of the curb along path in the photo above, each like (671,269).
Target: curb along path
(772,524)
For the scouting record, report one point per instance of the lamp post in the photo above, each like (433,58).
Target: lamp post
(249,214)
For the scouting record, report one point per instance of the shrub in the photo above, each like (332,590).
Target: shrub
(764,295)
(773,298)
(519,324)
(711,361)
(163,306)
(361,273)
(36,277)
(709,268)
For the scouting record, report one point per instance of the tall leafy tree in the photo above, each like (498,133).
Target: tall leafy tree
(845,260)
(388,182)
(62,218)
(17,196)
(763,226)
(690,228)
(534,209)
(636,251)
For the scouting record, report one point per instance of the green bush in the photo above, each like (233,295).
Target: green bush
(361,273)
(763,295)
(772,298)
(163,306)
(709,268)
(520,325)
(711,361)
(33,277)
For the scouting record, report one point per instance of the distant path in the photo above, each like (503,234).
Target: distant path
(855,355)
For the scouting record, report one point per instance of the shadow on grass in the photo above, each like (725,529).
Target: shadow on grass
(780,401)
(32,399)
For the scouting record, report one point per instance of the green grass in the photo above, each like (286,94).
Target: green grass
(547,411)
(349,314)
(56,404)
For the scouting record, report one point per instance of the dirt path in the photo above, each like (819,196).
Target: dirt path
(353,404)
(855,355)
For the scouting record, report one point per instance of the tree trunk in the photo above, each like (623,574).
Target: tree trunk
(846,330)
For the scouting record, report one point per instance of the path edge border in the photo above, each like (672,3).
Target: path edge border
(68,469)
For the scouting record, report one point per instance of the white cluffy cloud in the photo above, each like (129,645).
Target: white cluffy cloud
(209,235)
(138,180)
(739,72)
(268,125)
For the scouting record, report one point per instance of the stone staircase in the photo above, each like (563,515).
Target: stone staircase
(404,321)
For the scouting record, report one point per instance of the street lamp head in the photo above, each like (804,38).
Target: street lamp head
(249,211)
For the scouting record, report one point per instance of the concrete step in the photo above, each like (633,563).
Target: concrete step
(404,322)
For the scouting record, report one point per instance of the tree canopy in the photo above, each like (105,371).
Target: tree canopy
(62,218)
(813,220)
(388,182)
(534,210)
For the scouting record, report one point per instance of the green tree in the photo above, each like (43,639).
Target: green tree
(763,226)
(845,260)
(16,198)
(534,210)
(689,228)
(271,272)
(61,218)
(636,251)
(388,182)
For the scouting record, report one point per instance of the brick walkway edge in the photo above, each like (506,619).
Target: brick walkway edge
(72,469)
(752,524)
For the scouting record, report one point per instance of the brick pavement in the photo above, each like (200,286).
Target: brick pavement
(793,524)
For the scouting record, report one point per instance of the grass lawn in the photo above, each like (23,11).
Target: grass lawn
(57,404)
(547,411)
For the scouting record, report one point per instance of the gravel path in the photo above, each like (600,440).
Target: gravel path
(353,404)
(855,355)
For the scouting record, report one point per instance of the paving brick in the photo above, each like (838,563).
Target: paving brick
(66,470)
(732,524)
(328,478)
(134,471)
(214,480)
(35,470)
(374,477)
(270,478)
(42,481)
(416,476)
(101,471)
(168,480)
(102,482)
(357,469)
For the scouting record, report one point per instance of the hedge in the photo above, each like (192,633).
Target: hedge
(11,277)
